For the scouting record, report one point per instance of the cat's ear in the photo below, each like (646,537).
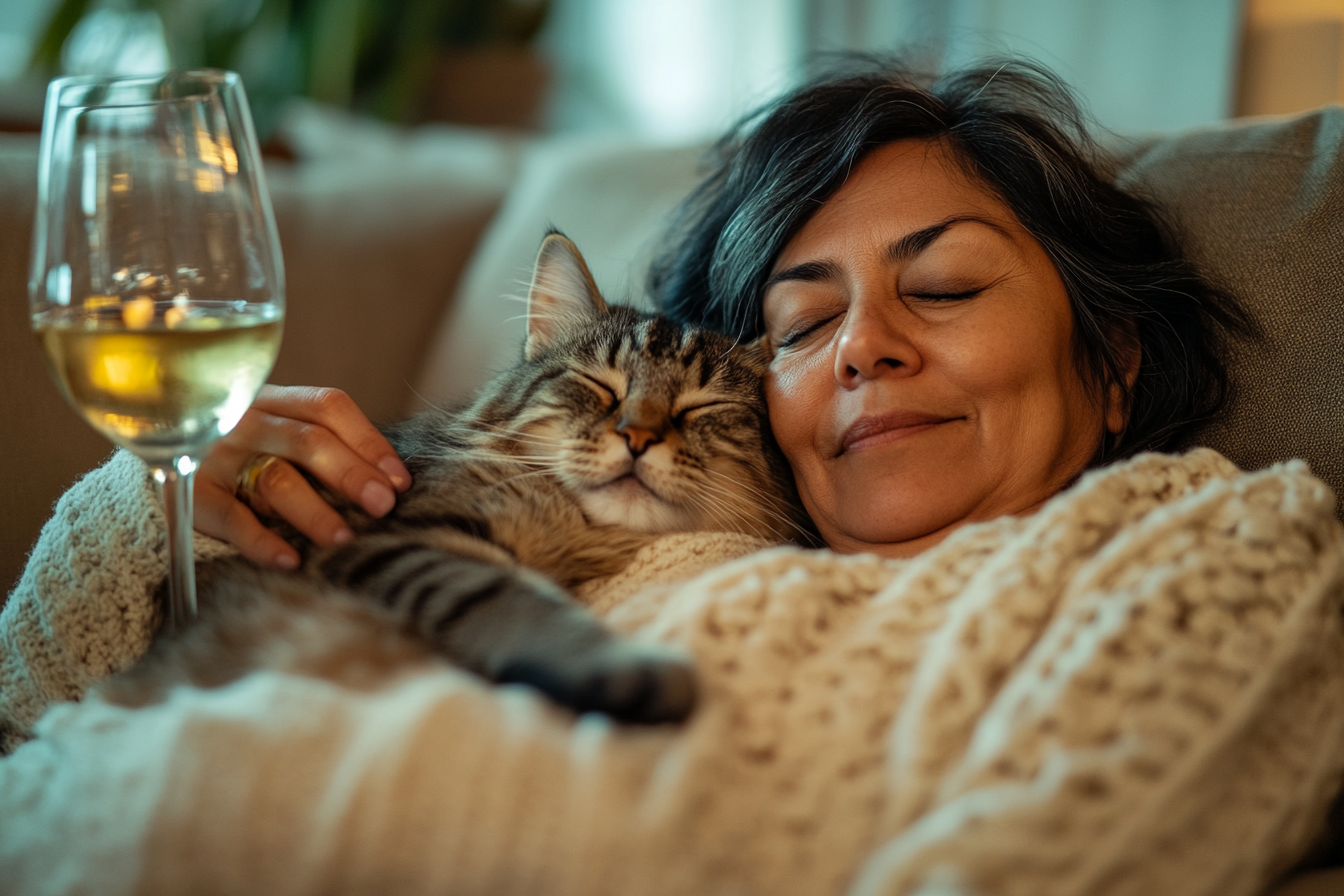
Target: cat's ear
(562,291)
(756,352)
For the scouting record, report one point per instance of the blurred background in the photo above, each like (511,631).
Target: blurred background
(674,69)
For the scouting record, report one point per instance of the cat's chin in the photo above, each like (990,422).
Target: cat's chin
(630,503)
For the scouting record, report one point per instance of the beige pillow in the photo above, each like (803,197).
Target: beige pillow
(612,197)
(1258,205)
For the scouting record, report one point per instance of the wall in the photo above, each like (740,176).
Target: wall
(1292,56)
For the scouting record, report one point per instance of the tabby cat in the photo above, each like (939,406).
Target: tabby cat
(617,426)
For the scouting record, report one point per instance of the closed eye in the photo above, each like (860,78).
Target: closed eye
(689,413)
(608,394)
(946,296)
(802,333)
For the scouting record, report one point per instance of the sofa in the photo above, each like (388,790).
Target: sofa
(403,250)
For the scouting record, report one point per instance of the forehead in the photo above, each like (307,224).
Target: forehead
(655,350)
(897,189)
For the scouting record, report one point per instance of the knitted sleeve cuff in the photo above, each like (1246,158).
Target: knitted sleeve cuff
(84,606)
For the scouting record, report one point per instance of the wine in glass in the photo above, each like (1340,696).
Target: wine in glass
(156,287)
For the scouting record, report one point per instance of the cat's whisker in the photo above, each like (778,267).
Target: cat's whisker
(764,507)
(427,402)
(715,511)
(534,315)
(721,513)
(712,507)
(512,435)
(787,528)
(544,462)
(525,474)
(732,509)
(476,426)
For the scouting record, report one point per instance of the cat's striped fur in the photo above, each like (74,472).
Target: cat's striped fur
(617,426)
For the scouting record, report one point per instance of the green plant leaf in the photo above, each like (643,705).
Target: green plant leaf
(45,60)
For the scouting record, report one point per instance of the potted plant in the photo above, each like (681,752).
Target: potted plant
(400,60)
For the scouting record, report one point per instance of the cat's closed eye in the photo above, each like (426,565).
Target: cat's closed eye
(690,413)
(606,392)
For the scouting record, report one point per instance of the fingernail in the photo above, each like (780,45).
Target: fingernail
(287,561)
(342,535)
(377,498)
(396,471)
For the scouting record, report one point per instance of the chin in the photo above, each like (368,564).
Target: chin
(900,512)
(628,503)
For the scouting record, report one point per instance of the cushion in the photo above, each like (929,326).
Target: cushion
(377,225)
(612,197)
(1258,205)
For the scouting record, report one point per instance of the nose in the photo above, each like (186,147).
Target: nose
(642,424)
(638,439)
(875,340)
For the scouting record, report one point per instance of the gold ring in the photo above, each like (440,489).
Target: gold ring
(250,474)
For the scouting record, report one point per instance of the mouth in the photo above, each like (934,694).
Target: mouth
(629,486)
(882,429)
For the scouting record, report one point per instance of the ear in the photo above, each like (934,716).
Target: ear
(757,352)
(562,291)
(1117,409)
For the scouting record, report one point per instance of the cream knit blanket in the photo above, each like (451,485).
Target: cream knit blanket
(1137,690)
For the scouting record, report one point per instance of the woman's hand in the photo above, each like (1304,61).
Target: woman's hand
(320,430)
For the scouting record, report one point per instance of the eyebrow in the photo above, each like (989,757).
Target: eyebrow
(903,249)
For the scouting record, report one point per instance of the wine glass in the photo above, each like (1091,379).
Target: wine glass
(156,286)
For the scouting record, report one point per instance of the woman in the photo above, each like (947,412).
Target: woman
(1122,681)
(964,313)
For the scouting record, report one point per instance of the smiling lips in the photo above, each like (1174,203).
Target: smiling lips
(882,429)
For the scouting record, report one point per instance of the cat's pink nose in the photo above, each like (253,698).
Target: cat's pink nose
(639,439)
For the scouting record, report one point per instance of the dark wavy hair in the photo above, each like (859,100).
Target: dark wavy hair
(1014,127)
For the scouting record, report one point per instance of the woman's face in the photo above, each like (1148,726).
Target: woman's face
(923,372)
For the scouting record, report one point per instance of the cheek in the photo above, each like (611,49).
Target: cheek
(1023,355)
(1030,396)
(798,393)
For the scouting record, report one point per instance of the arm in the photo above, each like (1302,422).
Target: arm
(84,607)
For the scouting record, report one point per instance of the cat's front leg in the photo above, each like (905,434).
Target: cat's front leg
(584,554)
(510,624)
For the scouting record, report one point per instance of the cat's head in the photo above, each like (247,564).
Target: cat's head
(650,424)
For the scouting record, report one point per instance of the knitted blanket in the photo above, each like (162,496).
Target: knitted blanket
(1139,689)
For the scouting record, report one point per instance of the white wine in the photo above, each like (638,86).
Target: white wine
(163,379)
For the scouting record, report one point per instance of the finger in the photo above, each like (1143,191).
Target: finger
(337,411)
(220,514)
(317,450)
(282,491)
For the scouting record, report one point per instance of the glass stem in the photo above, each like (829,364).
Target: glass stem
(175,486)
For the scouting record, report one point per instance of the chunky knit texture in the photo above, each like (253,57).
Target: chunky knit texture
(1139,689)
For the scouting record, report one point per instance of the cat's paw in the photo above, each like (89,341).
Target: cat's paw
(640,683)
